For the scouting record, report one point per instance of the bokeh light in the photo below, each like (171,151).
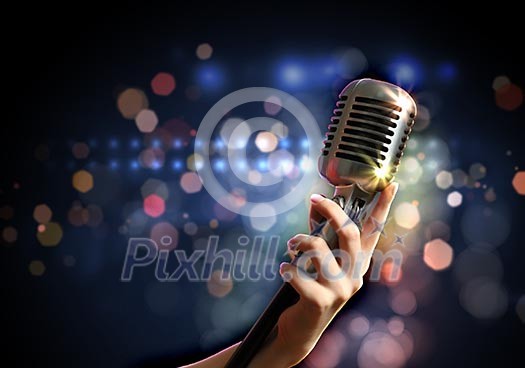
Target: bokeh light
(165,235)
(6,212)
(80,150)
(509,97)
(204,51)
(220,284)
(190,182)
(266,141)
(195,162)
(154,206)
(477,263)
(42,214)
(37,268)
(351,63)
(51,236)
(381,350)
(358,326)
(272,105)
(477,171)
(262,217)
(500,81)
(484,298)
(403,302)
(407,215)
(163,84)
(83,181)
(518,182)
(146,121)
(131,102)
(9,234)
(438,254)
(454,199)
(154,186)
(444,179)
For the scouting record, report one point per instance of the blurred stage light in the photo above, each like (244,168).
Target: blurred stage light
(83,181)
(134,165)
(437,254)
(146,121)
(154,206)
(131,102)
(210,77)
(405,71)
(291,75)
(204,51)
(42,214)
(447,72)
(177,165)
(219,165)
(163,84)
(80,150)
(37,268)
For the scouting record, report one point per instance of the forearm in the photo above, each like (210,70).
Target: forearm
(271,355)
(215,361)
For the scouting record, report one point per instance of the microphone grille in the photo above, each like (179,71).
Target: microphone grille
(369,128)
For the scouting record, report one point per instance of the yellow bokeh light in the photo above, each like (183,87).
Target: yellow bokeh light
(51,235)
(195,162)
(83,181)
(407,215)
(37,268)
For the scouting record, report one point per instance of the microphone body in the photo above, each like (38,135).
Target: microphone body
(361,154)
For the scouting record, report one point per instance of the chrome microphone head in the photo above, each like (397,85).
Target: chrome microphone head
(367,135)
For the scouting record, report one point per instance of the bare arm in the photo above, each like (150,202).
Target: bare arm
(321,298)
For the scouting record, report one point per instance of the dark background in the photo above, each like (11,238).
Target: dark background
(63,65)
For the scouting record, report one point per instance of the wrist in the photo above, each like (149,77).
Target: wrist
(274,354)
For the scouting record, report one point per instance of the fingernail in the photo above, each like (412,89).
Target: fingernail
(395,189)
(292,243)
(316,198)
(282,266)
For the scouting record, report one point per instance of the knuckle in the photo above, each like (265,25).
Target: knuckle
(343,294)
(358,284)
(350,232)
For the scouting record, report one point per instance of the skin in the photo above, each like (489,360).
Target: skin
(300,326)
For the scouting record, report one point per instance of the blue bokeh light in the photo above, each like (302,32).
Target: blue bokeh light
(210,77)
(134,143)
(177,165)
(113,143)
(134,165)
(405,71)
(447,71)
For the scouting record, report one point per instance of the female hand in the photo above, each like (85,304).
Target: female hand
(301,325)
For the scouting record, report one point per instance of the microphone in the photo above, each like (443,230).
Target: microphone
(362,151)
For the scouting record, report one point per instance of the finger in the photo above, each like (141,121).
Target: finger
(379,214)
(315,249)
(303,283)
(315,218)
(336,217)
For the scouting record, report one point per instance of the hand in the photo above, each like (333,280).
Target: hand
(301,326)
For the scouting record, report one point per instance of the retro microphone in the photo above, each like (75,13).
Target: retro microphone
(362,151)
